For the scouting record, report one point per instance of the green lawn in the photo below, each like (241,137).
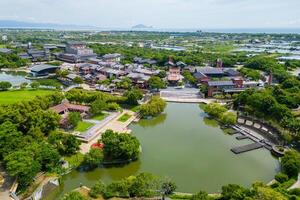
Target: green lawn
(83,126)
(100,117)
(124,117)
(9,97)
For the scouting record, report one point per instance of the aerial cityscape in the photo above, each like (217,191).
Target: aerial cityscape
(150,99)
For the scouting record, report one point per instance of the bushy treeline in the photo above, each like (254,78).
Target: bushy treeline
(29,142)
(11,61)
(220,112)
(197,57)
(273,103)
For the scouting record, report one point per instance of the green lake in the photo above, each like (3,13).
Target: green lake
(186,146)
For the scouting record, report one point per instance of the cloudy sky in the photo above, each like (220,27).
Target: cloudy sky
(158,13)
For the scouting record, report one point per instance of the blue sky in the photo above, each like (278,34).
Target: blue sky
(158,13)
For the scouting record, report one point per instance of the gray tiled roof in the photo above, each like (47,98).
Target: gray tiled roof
(210,70)
(220,83)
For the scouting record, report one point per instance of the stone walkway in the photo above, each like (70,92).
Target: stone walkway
(4,189)
(114,125)
(296,185)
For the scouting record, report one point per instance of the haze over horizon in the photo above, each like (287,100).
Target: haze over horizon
(202,14)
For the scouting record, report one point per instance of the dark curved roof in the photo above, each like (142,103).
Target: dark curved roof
(42,67)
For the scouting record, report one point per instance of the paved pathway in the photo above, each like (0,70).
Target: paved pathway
(4,189)
(296,185)
(114,125)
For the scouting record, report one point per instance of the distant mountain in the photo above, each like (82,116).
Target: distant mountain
(141,26)
(21,24)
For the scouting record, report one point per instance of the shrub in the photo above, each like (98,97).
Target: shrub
(155,106)
(281,177)
(98,189)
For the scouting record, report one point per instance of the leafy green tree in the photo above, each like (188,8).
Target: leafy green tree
(98,106)
(281,177)
(125,83)
(120,146)
(78,80)
(49,157)
(22,165)
(73,196)
(290,163)
(93,158)
(200,196)
(35,85)
(233,191)
(10,138)
(162,74)
(189,77)
(133,96)
(4,85)
(74,118)
(155,106)
(144,185)
(215,110)
(168,187)
(229,118)
(66,144)
(23,85)
(98,189)
(156,82)
(117,189)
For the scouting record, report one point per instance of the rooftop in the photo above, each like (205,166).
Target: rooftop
(210,70)
(220,83)
(41,67)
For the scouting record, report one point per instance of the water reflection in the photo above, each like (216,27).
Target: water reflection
(153,122)
(210,122)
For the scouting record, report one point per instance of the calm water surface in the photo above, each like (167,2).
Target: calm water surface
(15,78)
(190,149)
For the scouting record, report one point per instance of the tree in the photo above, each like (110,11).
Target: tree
(35,85)
(229,118)
(156,83)
(168,187)
(290,163)
(98,106)
(73,196)
(144,185)
(74,118)
(233,191)
(133,96)
(281,177)
(266,193)
(22,165)
(23,85)
(200,196)
(49,157)
(98,189)
(155,106)
(162,74)
(214,109)
(120,146)
(125,83)
(4,85)
(62,73)
(66,144)
(93,158)
(78,80)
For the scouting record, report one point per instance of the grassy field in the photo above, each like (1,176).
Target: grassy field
(83,126)
(124,117)
(100,117)
(9,97)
